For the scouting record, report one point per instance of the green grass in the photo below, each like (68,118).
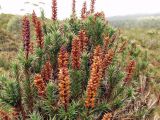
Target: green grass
(5,64)
(148,40)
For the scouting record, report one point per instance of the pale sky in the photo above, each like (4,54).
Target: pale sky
(110,7)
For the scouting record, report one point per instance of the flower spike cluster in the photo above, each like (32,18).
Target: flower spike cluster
(46,71)
(83,39)
(95,78)
(39,34)
(26,35)
(54,10)
(63,77)
(129,71)
(40,85)
(75,53)
(84,11)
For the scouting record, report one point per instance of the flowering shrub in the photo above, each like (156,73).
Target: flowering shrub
(79,69)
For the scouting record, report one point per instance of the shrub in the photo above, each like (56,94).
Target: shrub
(78,69)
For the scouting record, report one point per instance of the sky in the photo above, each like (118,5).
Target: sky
(110,7)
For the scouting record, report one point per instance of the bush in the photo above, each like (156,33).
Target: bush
(79,69)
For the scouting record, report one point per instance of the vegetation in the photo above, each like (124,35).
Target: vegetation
(78,69)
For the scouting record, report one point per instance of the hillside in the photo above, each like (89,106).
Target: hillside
(145,31)
(134,17)
(144,21)
(9,41)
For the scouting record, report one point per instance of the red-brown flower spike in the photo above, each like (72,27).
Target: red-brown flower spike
(26,35)
(54,10)
(84,11)
(113,38)
(100,14)
(129,71)
(34,18)
(83,39)
(107,59)
(39,35)
(107,116)
(106,43)
(40,85)
(4,115)
(63,58)
(75,53)
(122,47)
(46,71)
(31,48)
(95,78)
(63,77)
(98,52)
(64,86)
(73,8)
(92,7)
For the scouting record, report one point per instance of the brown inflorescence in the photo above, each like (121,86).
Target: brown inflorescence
(63,58)
(31,48)
(129,71)
(107,116)
(95,78)
(26,35)
(113,38)
(4,115)
(122,47)
(106,43)
(98,52)
(39,35)
(83,39)
(92,7)
(34,18)
(100,14)
(40,85)
(64,86)
(84,11)
(63,77)
(107,59)
(73,8)
(75,53)
(46,71)
(54,10)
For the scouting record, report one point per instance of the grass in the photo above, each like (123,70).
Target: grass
(4,64)
(148,40)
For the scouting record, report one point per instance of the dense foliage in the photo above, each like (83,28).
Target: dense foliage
(76,69)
